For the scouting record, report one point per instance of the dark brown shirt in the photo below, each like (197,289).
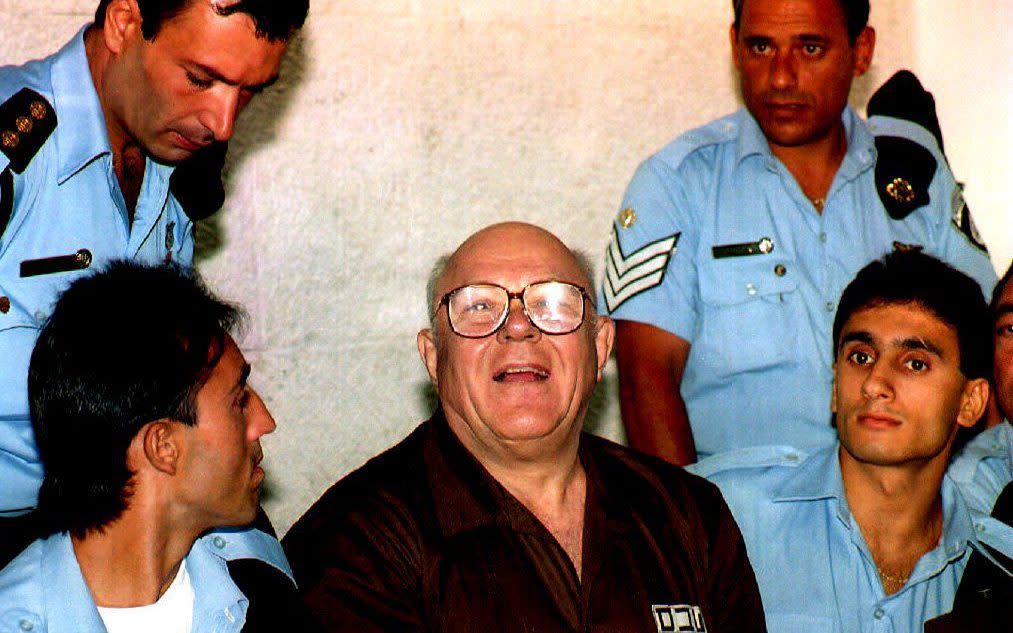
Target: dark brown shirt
(422,538)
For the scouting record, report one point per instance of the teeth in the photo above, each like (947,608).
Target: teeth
(527,370)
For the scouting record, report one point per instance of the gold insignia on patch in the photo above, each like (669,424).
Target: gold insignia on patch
(901,190)
(901,247)
(24,124)
(38,110)
(627,218)
(9,139)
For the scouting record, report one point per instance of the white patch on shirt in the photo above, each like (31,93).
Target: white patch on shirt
(678,618)
(628,275)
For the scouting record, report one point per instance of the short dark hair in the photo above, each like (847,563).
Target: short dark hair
(856,16)
(275,20)
(997,293)
(124,347)
(912,277)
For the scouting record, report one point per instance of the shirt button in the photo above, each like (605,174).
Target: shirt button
(219,542)
(980,527)
(26,625)
(878,613)
(780,270)
(40,317)
(5,305)
(791,457)
(750,289)
(830,306)
(823,237)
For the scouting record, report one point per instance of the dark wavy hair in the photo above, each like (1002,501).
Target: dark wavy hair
(912,277)
(124,347)
(856,16)
(275,20)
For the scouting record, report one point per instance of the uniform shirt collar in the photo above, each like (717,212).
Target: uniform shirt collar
(67,602)
(860,155)
(819,477)
(81,134)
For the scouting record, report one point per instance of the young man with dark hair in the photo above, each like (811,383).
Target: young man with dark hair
(871,532)
(741,234)
(150,437)
(90,138)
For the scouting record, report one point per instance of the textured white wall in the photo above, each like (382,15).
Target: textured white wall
(401,127)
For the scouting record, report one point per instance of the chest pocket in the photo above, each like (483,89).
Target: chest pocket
(750,310)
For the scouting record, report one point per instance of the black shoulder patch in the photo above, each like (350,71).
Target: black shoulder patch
(904,171)
(26,121)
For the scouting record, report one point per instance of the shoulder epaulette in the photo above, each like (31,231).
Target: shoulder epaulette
(748,458)
(26,121)
(904,168)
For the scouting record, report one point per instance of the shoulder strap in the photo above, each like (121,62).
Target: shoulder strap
(26,122)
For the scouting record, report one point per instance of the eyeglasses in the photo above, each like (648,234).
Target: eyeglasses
(476,311)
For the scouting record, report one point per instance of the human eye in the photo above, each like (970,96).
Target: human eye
(859,357)
(917,365)
(759,48)
(1004,329)
(243,399)
(813,50)
(198,81)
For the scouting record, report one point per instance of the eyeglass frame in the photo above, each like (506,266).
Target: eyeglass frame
(519,295)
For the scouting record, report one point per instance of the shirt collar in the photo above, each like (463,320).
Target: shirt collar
(81,135)
(860,155)
(467,497)
(67,602)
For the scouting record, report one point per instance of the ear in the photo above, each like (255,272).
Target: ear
(426,341)
(604,335)
(973,401)
(122,24)
(865,46)
(160,442)
(733,38)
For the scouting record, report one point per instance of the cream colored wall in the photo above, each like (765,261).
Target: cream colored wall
(401,127)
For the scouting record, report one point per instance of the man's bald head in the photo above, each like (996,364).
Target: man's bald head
(516,235)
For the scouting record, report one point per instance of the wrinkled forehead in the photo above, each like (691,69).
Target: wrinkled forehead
(512,260)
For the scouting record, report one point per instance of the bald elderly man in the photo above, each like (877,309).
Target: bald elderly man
(498,513)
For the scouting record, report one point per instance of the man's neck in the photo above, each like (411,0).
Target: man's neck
(127,155)
(130,563)
(898,510)
(814,165)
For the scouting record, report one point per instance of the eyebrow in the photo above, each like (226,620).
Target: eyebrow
(217,76)
(1003,309)
(244,376)
(911,343)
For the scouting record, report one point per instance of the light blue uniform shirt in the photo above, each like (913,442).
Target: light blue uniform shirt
(43,590)
(66,200)
(759,325)
(812,564)
(983,467)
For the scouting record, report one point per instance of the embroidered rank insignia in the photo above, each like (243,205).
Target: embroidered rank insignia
(678,617)
(628,275)
(962,219)
(26,121)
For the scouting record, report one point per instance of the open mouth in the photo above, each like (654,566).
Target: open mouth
(521,373)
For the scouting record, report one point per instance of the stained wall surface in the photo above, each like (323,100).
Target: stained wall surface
(400,127)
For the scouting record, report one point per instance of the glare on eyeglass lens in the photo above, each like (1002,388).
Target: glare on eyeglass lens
(554,307)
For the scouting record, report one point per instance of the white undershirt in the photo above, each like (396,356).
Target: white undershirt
(173,613)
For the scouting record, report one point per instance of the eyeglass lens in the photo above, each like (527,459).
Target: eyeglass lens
(554,307)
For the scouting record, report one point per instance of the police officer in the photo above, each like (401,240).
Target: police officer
(734,242)
(89,137)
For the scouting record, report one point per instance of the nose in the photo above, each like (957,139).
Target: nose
(517,326)
(260,420)
(877,384)
(220,114)
(783,73)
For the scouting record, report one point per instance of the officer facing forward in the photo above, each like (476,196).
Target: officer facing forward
(89,137)
(734,242)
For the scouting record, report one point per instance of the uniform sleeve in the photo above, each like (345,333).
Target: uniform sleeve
(650,268)
(958,242)
(357,570)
